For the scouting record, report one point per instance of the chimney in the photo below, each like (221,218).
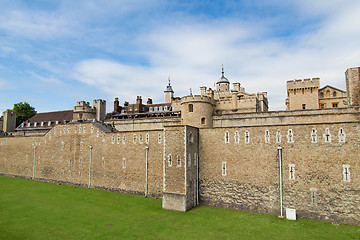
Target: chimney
(116,105)
(138,100)
(149,101)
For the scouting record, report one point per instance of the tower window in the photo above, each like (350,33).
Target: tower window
(313,136)
(335,105)
(267,136)
(290,136)
(327,135)
(313,196)
(341,136)
(322,105)
(237,137)
(203,121)
(191,108)
(322,95)
(346,173)
(291,171)
(223,169)
(247,136)
(226,137)
(304,106)
(169,160)
(278,136)
(178,161)
(334,94)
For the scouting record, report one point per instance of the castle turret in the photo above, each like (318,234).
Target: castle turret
(100,107)
(9,121)
(197,111)
(303,94)
(353,86)
(223,84)
(168,93)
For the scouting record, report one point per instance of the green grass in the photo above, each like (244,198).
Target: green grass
(38,210)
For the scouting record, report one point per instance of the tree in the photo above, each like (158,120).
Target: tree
(23,112)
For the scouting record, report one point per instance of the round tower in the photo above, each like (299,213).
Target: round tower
(197,111)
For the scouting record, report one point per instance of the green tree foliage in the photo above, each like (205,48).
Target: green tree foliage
(23,112)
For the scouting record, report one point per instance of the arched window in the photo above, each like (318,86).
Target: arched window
(334,94)
(322,95)
(203,120)
(327,93)
(191,108)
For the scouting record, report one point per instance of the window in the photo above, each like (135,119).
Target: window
(134,138)
(294,91)
(112,139)
(147,138)
(189,160)
(159,138)
(103,162)
(303,91)
(322,105)
(304,106)
(247,136)
(62,145)
(346,173)
(341,136)
(327,135)
(75,129)
(29,125)
(203,120)
(80,129)
(141,139)
(35,123)
(118,139)
(290,136)
(191,108)
(178,161)
(97,133)
(49,123)
(124,163)
(226,137)
(103,138)
(237,137)
(278,136)
(42,124)
(313,136)
(223,169)
(57,122)
(334,94)
(84,129)
(123,139)
(169,160)
(313,196)
(92,129)
(191,137)
(335,105)
(267,136)
(81,146)
(291,171)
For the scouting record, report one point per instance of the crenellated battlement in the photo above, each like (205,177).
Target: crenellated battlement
(303,83)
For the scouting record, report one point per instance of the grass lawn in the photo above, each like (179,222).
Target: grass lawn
(37,210)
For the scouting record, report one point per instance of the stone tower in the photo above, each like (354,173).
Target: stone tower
(303,94)
(352,76)
(168,93)
(223,84)
(197,111)
(100,107)
(9,121)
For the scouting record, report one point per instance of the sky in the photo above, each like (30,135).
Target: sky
(55,53)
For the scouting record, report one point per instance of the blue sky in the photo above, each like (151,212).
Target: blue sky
(55,53)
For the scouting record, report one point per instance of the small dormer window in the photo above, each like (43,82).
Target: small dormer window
(29,124)
(57,122)
(151,109)
(35,123)
(165,108)
(160,108)
(156,108)
(49,123)
(22,124)
(42,124)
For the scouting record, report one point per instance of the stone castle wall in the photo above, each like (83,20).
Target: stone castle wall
(234,165)
(251,182)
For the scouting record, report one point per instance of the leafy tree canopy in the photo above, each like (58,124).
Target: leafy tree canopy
(23,112)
